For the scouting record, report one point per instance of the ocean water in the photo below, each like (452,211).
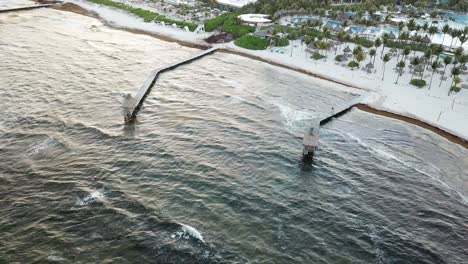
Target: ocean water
(211,171)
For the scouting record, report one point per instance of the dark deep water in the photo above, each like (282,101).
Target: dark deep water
(211,172)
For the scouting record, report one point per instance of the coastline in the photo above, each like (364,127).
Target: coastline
(366,106)
(449,136)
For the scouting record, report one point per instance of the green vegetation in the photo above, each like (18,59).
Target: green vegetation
(251,42)
(280,42)
(339,58)
(418,83)
(216,22)
(147,15)
(319,7)
(363,42)
(455,89)
(353,64)
(317,56)
(229,23)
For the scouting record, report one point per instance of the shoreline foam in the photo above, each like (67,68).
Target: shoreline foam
(376,105)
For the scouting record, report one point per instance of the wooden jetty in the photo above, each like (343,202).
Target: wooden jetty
(132,105)
(311,137)
(22,8)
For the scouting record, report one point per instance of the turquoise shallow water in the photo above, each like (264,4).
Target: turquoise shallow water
(211,171)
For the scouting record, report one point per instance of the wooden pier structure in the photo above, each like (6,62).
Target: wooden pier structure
(22,8)
(132,105)
(311,137)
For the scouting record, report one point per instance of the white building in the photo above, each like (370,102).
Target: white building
(255,19)
(235,3)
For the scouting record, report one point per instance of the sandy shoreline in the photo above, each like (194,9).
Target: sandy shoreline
(458,139)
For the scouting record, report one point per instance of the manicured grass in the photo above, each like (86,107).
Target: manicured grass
(147,15)
(251,42)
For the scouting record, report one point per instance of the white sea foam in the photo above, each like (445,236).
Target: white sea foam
(54,258)
(187,231)
(447,188)
(95,196)
(294,119)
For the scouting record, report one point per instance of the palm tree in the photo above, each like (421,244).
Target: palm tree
(411,25)
(418,39)
(406,52)
(372,53)
(446,29)
(425,26)
(437,50)
(401,37)
(435,64)
(433,30)
(344,24)
(386,58)
(326,34)
(455,72)
(463,38)
(453,34)
(459,52)
(384,41)
(447,61)
(359,57)
(356,51)
(401,65)
(463,60)
(427,56)
(377,43)
(414,62)
(401,25)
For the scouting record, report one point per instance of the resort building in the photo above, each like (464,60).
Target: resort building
(256,20)
(235,3)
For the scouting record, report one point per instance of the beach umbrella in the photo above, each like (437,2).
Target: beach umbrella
(391,35)
(347,50)
(370,65)
(349,31)
(419,68)
(414,37)
(426,39)
(463,67)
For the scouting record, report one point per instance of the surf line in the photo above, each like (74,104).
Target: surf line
(70,7)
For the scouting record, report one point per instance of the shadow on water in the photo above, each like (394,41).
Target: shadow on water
(130,129)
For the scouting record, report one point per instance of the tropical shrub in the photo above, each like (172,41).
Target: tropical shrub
(455,89)
(418,83)
(353,64)
(317,56)
(339,58)
(229,24)
(251,42)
